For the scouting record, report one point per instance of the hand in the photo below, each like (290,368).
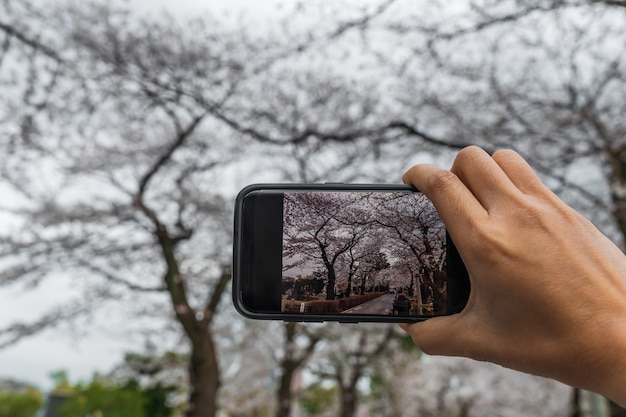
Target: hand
(548,290)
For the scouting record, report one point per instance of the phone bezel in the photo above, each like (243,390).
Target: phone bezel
(239,255)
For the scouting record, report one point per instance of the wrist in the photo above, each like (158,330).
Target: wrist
(609,377)
(615,385)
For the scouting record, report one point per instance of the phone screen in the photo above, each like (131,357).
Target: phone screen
(348,254)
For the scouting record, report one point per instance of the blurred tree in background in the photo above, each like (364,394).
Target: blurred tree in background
(126,137)
(130,390)
(98,397)
(21,403)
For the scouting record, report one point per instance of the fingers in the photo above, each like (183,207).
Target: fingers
(492,181)
(519,172)
(483,176)
(456,204)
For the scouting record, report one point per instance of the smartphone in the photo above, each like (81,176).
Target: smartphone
(346,253)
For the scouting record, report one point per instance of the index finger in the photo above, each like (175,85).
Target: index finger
(458,207)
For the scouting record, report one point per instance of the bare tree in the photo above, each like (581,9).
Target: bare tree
(105,108)
(319,228)
(349,358)
(292,361)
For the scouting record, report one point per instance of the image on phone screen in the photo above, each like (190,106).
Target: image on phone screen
(379,253)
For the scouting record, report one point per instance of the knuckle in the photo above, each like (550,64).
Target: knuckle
(533,212)
(534,215)
(442,180)
(487,241)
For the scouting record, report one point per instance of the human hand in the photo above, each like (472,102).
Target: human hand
(548,290)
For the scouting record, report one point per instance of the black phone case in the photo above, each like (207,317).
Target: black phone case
(302,317)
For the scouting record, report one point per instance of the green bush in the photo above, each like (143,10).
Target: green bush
(317,399)
(20,404)
(110,397)
(109,401)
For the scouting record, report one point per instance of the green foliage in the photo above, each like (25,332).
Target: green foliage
(408,345)
(62,383)
(151,364)
(317,399)
(377,381)
(20,404)
(155,398)
(379,392)
(306,286)
(110,401)
(158,372)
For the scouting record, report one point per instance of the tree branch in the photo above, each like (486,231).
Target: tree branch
(19,330)
(176,286)
(117,280)
(138,199)
(338,31)
(182,136)
(216,295)
(620,3)
(33,43)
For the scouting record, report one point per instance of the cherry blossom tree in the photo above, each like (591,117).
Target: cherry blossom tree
(318,229)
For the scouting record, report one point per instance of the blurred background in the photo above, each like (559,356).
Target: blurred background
(127,128)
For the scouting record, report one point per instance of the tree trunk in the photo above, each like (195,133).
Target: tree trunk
(330,290)
(289,366)
(418,290)
(330,267)
(348,292)
(203,376)
(284,390)
(348,400)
